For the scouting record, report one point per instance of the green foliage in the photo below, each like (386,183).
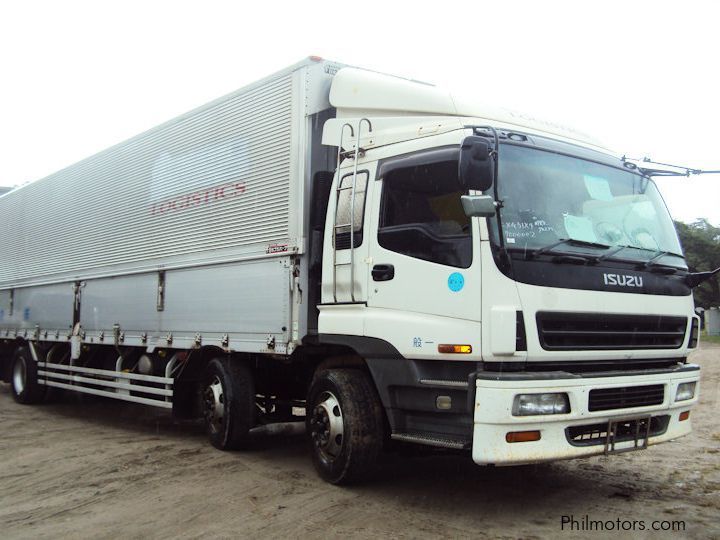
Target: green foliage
(701,244)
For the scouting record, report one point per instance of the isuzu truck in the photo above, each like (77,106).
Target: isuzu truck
(377,257)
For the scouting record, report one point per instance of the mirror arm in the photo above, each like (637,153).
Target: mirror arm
(693,280)
(505,257)
(495,157)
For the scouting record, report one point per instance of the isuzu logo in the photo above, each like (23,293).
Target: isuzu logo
(621,280)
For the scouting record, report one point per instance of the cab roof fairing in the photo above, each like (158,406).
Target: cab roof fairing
(358,93)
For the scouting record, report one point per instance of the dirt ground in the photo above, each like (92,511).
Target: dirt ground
(105,469)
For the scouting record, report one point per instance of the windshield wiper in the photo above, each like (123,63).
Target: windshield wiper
(578,258)
(610,253)
(650,263)
(657,255)
(572,241)
(660,268)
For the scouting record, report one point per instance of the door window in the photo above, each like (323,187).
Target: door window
(421,215)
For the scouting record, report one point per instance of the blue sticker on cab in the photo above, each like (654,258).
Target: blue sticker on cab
(456,282)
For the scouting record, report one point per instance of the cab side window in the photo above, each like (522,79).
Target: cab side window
(421,215)
(344,216)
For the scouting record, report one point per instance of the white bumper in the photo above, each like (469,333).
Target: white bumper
(493,417)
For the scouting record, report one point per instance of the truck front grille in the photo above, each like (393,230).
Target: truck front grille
(626,397)
(590,331)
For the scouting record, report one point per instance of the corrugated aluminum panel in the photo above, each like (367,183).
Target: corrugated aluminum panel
(214,181)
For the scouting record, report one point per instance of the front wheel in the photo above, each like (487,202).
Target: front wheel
(228,403)
(24,379)
(345,424)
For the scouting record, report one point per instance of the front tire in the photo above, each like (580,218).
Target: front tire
(24,379)
(228,403)
(345,425)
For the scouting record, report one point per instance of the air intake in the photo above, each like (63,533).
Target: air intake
(626,397)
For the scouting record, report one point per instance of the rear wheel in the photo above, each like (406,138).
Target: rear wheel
(24,378)
(345,424)
(228,403)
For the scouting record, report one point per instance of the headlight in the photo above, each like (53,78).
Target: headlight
(534,404)
(685,391)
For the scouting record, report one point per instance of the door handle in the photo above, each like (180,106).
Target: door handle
(383,272)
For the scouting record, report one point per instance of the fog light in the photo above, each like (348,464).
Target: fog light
(534,404)
(444,403)
(685,391)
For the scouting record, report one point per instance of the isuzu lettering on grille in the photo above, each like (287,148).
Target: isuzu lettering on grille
(623,280)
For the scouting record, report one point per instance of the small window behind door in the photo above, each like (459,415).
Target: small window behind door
(343,215)
(421,215)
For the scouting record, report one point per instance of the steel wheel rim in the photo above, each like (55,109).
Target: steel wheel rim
(327,427)
(19,375)
(214,405)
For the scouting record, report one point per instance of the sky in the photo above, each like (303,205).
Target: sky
(79,76)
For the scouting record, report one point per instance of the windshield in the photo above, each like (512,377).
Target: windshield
(549,197)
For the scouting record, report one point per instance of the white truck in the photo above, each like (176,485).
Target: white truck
(379,256)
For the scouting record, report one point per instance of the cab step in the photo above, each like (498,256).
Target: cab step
(430,440)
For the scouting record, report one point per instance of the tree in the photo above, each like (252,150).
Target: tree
(701,244)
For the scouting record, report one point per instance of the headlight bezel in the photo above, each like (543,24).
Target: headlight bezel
(685,391)
(541,404)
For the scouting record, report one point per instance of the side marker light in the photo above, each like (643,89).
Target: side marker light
(522,436)
(455,349)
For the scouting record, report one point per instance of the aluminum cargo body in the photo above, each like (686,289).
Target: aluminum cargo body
(209,207)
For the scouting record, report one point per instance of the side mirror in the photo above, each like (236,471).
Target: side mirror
(479,205)
(476,168)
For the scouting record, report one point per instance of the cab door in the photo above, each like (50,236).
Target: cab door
(424,271)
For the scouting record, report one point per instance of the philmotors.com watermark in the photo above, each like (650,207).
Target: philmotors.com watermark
(586,523)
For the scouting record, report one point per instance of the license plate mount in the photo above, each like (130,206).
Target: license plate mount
(635,429)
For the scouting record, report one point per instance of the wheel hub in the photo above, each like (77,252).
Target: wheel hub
(326,426)
(19,375)
(214,400)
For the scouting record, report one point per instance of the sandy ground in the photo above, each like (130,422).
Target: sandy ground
(97,468)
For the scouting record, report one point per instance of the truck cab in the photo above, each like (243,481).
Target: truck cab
(555,325)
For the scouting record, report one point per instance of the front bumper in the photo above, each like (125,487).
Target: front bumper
(493,419)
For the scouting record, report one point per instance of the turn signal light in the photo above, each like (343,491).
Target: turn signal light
(522,436)
(455,349)
(684,415)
